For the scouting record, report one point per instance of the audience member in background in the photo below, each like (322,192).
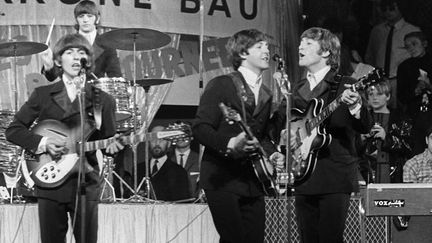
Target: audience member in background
(418,169)
(413,74)
(390,134)
(183,155)
(386,43)
(350,61)
(168,179)
(414,87)
(106,62)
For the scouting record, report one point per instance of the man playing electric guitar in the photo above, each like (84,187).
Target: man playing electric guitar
(322,201)
(60,101)
(234,193)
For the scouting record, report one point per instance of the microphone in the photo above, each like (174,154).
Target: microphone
(83,62)
(280,61)
(277,58)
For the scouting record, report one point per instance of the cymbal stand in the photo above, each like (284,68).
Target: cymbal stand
(146,179)
(134,145)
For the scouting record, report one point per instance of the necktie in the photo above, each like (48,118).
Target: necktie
(154,168)
(181,160)
(387,59)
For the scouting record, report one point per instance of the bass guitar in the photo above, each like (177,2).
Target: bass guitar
(48,172)
(263,169)
(310,136)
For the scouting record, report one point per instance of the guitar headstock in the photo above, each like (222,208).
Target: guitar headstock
(373,77)
(230,114)
(176,132)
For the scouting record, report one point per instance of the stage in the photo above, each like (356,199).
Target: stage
(121,222)
(192,223)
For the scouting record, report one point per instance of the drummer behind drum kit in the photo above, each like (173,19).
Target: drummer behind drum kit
(123,91)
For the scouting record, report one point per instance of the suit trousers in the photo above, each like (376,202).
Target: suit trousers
(53,220)
(237,219)
(321,218)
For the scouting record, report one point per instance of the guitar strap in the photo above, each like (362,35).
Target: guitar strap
(97,108)
(241,92)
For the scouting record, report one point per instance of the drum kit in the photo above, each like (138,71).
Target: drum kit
(122,90)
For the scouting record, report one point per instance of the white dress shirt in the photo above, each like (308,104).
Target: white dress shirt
(253,80)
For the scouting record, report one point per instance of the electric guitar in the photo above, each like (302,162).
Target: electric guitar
(47,171)
(310,136)
(263,169)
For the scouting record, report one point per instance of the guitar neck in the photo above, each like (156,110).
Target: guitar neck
(325,113)
(101,144)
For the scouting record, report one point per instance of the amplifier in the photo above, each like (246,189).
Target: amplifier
(398,199)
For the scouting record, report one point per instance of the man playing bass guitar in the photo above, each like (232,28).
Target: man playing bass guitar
(322,200)
(234,193)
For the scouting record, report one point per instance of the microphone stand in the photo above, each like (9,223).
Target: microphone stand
(82,188)
(285,88)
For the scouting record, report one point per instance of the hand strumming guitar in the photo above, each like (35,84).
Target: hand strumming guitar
(241,145)
(55,146)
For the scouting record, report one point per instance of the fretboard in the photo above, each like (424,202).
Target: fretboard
(101,144)
(324,114)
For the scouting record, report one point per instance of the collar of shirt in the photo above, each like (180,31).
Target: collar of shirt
(427,156)
(398,25)
(89,36)
(70,88)
(318,76)
(252,79)
(185,154)
(161,161)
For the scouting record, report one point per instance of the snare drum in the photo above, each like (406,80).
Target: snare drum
(119,88)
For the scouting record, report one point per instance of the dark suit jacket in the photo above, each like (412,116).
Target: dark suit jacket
(336,169)
(52,102)
(219,170)
(106,62)
(170,183)
(192,169)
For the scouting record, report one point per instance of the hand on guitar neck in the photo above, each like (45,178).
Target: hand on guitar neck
(57,146)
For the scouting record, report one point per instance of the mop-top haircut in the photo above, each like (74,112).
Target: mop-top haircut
(240,42)
(73,41)
(328,42)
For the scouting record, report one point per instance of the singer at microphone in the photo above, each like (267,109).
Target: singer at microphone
(55,107)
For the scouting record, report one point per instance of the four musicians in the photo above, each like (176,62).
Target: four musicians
(227,173)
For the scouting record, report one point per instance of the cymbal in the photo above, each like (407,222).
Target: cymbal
(124,39)
(21,48)
(152,81)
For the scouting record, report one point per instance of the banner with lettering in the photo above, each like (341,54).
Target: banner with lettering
(179,61)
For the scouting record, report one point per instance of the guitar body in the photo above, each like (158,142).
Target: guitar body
(263,168)
(265,172)
(49,172)
(308,141)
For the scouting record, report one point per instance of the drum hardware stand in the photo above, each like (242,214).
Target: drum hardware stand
(133,39)
(148,186)
(16,49)
(134,145)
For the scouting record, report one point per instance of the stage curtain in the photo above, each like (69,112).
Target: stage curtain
(289,28)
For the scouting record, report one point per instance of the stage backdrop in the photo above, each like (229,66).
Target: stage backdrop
(30,21)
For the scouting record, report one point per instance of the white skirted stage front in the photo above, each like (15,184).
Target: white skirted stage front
(121,222)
